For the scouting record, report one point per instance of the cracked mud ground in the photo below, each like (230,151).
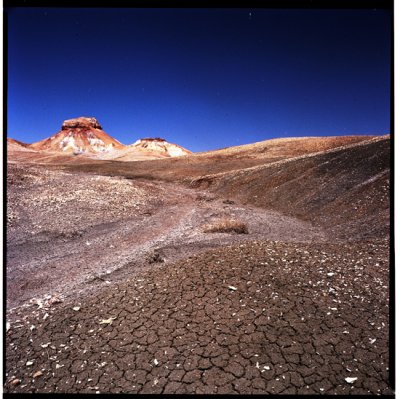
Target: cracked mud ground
(224,314)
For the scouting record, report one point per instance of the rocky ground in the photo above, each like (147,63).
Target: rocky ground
(113,286)
(67,231)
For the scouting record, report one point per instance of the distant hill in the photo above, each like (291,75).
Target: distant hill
(84,136)
(79,136)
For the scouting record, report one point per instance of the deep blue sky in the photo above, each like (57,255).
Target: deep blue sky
(202,78)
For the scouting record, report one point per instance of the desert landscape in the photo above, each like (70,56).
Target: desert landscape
(146,268)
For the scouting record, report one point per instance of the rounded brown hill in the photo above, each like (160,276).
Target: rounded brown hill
(79,135)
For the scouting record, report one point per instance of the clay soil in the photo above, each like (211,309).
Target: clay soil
(113,285)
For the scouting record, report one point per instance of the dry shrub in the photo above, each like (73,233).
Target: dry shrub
(226,226)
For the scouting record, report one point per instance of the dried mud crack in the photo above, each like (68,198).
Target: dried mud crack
(136,298)
(250,318)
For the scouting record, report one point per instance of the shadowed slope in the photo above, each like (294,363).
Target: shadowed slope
(345,190)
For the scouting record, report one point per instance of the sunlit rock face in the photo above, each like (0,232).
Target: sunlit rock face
(85,136)
(79,136)
(160,146)
(81,122)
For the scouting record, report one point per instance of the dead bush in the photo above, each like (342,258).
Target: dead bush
(226,226)
(155,258)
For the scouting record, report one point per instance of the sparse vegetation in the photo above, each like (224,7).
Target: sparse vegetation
(155,258)
(226,225)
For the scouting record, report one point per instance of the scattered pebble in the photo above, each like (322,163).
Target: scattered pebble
(350,380)
(37,374)
(107,321)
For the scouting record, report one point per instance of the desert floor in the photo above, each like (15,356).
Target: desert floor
(113,286)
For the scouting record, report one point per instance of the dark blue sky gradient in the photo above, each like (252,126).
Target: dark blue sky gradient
(202,78)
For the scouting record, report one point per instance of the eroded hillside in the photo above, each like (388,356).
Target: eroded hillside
(345,190)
